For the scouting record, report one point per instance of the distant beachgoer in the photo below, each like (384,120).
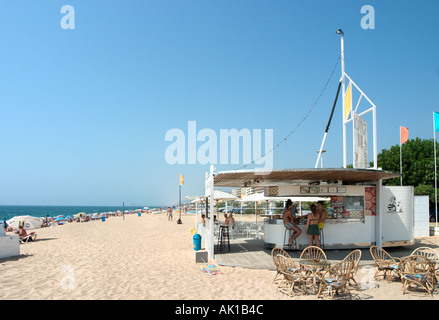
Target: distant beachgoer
(5,224)
(47,220)
(169,214)
(203,219)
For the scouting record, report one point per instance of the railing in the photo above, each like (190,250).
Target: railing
(240,230)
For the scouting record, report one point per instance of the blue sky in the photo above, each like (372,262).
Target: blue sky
(84,112)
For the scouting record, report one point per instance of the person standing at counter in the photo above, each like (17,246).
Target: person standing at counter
(322,213)
(290,221)
(312,226)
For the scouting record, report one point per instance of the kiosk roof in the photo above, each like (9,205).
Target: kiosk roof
(252,178)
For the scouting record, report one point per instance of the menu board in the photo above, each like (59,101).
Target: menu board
(370,201)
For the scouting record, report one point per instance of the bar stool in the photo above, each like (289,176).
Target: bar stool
(224,233)
(289,236)
(322,239)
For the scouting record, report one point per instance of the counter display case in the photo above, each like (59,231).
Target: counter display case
(346,209)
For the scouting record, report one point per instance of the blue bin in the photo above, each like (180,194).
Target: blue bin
(103,219)
(197,242)
(139,214)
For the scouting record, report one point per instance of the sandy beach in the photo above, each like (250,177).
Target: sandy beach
(144,257)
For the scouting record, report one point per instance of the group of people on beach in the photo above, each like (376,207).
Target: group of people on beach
(21,231)
(314,222)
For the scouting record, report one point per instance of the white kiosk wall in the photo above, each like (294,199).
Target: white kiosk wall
(397,210)
(421,226)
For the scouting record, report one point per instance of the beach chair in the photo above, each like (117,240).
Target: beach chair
(417,270)
(274,253)
(385,263)
(30,237)
(430,254)
(354,256)
(292,274)
(336,279)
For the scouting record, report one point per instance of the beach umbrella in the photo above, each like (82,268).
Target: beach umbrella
(30,222)
(78,215)
(219,195)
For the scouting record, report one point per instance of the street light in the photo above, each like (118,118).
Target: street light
(339,31)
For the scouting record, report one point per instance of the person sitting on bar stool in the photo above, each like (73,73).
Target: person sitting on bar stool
(290,222)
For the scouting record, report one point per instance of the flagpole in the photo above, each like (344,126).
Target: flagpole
(435,169)
(400,154)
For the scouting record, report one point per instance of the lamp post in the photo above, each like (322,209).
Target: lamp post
(179,199)
(340,32)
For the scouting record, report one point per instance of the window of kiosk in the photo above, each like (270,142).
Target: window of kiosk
(346,209)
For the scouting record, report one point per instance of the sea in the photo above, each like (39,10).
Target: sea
(8,212)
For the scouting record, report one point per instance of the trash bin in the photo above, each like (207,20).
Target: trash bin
(139,214)
(197,242)
(103,219)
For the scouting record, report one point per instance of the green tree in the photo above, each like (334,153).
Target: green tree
(417,165)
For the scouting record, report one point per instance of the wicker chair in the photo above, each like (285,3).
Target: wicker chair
(274,253)
(336,279)
(385,263)
(419,270)
(313,252)
(354,256)
(292,274)
(430,254)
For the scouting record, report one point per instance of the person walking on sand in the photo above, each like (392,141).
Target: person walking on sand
(169,214)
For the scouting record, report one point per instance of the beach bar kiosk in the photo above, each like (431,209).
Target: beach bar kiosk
(360,211)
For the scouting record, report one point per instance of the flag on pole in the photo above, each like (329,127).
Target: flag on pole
(436,121)
(348,101)
(404,134)
(181,180)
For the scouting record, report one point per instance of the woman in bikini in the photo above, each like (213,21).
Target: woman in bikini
(312,227)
